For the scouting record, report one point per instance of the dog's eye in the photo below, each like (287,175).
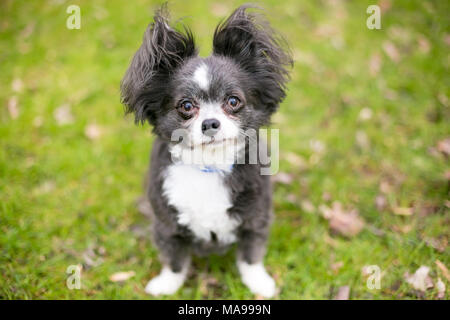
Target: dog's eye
(187,106)
(234,102)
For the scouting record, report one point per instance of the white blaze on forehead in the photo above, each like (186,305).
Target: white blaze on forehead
(201,76)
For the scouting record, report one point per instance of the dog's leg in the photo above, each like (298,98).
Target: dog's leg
(250,264)
(175,257)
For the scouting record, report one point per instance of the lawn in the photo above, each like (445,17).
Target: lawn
(365,124)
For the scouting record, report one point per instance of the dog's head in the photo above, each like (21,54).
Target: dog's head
(216,98)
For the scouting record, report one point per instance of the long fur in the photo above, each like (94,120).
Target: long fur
(144,86)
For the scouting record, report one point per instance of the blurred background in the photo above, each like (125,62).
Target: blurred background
(364,163)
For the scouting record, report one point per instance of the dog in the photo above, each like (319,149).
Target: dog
(207,205)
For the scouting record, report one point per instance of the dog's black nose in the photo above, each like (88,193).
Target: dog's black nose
(210,126)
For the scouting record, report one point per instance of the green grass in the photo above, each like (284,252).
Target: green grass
(62,193)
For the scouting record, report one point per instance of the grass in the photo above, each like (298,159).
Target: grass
(63,194)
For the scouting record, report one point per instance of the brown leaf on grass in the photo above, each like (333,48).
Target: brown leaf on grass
(17,85)
(440,286)
(391,51)
(219,9)
(93,131)
(336,266)
(307,206)
(420,280)
(385,5)
(443,146)
(283,178)
(380,202)
(444,269)
(121,276)
(63,115)
(346,223)
(375,64)
(439,244)
(13,107)
(403,211)
(295,160)
(424,44)
(343,293)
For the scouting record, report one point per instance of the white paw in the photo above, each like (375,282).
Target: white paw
(167,282)
(256,278)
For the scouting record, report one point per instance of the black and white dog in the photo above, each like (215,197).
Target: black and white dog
(205,204)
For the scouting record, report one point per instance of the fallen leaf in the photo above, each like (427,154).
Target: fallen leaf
(317,146)
(307,206)
(93,131)
(13,107)
(347,223)
(443,146)
(380,202)
(437,244)
(343,293)
(403,211)
(440,286)
(444,269)
(295,160)
(283,178)
(375,64)
(219,9)
(365,114)
(420,280)
(424,44)
(362,140)
(17,85)
(121,276)
(63,115)
(391,51)
(336,266)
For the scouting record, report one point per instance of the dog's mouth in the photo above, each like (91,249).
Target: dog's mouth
(216,142)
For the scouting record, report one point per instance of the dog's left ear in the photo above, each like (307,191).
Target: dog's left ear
(248,39)
(145,85)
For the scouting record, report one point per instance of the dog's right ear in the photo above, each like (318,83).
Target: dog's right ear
(145,85)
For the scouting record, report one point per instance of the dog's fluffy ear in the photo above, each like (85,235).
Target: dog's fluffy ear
(145,84)
(255,46)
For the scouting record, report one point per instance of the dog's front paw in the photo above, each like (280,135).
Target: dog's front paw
(256,278)
(167,282)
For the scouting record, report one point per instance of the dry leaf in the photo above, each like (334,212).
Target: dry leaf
(443,146)
(424,44)
(362,140)
(420,280)
(375,64)
(17,85)
(13,107)
(343,293)
(403,211)
(307,206)
(391,51)
(380,202)
(317,146)
(93,131)
(440,286)
(63,115)
(365,114)
(346,223)
(295,160)
(336,266)
(121,276)
(444,269)
(283,178)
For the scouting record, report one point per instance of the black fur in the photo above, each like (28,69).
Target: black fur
(248,57)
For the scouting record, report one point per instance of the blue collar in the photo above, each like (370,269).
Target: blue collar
(215,169)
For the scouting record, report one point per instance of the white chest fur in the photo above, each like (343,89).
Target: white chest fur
(202,201)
